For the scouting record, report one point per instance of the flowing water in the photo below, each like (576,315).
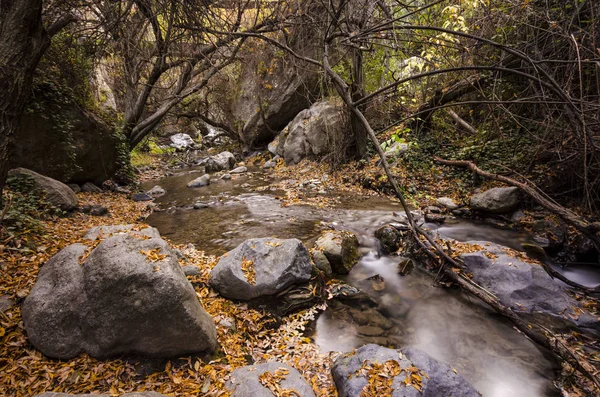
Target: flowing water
(410,310)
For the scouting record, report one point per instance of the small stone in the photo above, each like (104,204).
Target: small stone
(321,262)
(89,187)
(433,209)
(6,303)
(447,203)
(245,185)
(226,177)
(156,191)
(269,164)
(22,293)
(200,205)
(141,197)
(239,170)
(434,218)
(204,180)
(191,270)
(405,266)
(94,210)
(370,330)
(74,187)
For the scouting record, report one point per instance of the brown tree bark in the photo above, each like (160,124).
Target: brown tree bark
(23,41)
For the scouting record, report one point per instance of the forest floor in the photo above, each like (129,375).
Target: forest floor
(25,372)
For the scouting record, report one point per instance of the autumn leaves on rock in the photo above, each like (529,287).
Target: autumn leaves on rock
(126,295)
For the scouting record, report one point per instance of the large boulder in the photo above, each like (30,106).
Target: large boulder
(413,373)
(66,142)
(129,296)
(312,133)
(251,381)
(498,200)
(526,288)
(340,248)
(220,162)
(181,141)
(261,267)
(57,193)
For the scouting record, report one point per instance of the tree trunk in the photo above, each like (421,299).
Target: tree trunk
(23,41)
(358,92)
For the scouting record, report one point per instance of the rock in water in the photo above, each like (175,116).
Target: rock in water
(437,379)
(57,193)
(181,141)
(245,381)
(130,296)
(340,248)
(156,191)
(204,180)
(220,162)
(498,200)
(390,238)
(239,170)
(261,266)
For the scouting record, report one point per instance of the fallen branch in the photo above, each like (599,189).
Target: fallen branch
(587,228)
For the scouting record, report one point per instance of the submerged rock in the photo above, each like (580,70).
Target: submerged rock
(246,381)
(261,267)
(203,180)
(57,193)
(129,296)
(353,372)
(340,248)
(499,200)
(526,288)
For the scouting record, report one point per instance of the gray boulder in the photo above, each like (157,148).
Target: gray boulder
(57,193)
(129,296)
(447,203)
(181,141)
(498,200)
(340,248)
(526,288)
(245,381)
(203,180)
(156,191)
(261,266)
(312,133)
(220,162)
(437,378)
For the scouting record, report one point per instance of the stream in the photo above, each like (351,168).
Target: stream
(445,323)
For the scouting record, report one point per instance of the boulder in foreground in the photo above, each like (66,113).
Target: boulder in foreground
(253,381)
(261,266)
(355,372)
(129,296)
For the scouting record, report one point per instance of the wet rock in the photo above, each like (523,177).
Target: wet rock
(141,197)
(226,177)
(340,248)
(203,180)
(94,210)
(390,238)
(245,381)
(440,379)
(89,187)
(405,266)
(239,170)
(447,203)
(156,191)
(321,262)
(498,200)
(134,394)
(220,162)
(433,209)
(434,218)
(313,132)
(517,216)
(526,288)
(6,303)
(57,193)
(129,296)
(74,187)
(261,267)
(191,270)
(181,141)
(199,205)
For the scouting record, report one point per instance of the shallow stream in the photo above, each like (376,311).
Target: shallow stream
(411,310)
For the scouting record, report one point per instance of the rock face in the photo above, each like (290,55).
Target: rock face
(440,379)
(390,238)
(526,288)
(313,132)
(85,151)
(57,193)
(181,141)
(245,381)
(340,248)
(130,296)
(203,180)
(220,162)
(498,200)
(261,266)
